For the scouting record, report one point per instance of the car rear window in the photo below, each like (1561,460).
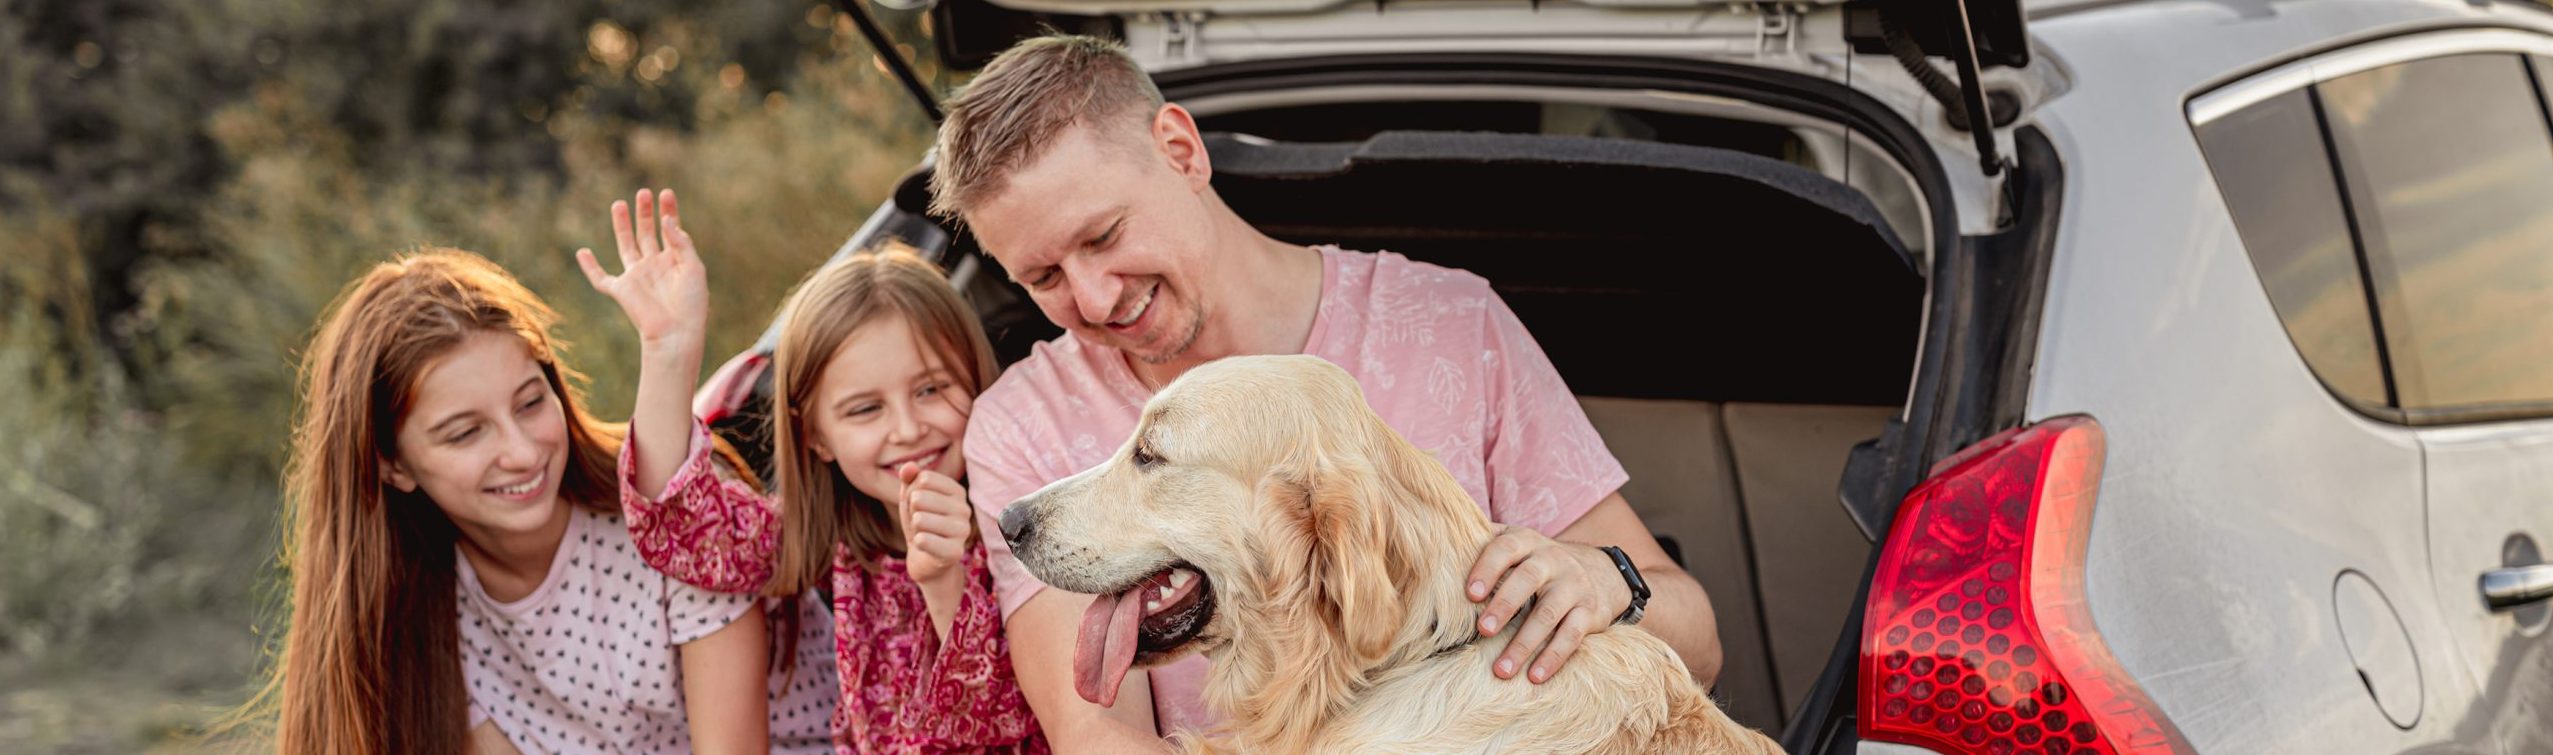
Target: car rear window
(2450,164)
(2271,165)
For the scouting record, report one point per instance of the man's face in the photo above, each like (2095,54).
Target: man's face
(1111,234)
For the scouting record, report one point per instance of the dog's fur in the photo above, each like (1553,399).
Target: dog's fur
(1336,552)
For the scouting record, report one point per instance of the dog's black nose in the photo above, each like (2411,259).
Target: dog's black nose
(1017,526)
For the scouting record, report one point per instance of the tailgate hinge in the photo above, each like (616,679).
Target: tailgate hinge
(1181,33)
(1777,29)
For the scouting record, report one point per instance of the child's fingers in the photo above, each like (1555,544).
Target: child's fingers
(939,502)
(939,483)
(671,225)
(939,523)
(924,543)
(623,236)
(904,508)
(647,246)
(935,485)
(904,498)
(593,270)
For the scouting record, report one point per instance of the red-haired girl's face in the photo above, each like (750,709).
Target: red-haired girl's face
(486,439)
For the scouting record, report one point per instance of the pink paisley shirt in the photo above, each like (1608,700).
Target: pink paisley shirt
(1439,356)
(903,691)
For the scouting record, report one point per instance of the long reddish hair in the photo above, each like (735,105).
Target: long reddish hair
(371,659)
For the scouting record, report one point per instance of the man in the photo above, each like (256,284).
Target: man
(1094,195)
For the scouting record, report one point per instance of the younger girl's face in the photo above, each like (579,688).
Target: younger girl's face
(486,439)
(884,399)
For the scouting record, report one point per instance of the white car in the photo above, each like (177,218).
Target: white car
(2203,403)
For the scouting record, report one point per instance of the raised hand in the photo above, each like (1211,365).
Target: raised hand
(665,292)
(662,286)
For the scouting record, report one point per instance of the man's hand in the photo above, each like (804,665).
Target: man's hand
(1575,590)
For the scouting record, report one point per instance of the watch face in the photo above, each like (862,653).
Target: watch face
(1639,585)
(1630,572)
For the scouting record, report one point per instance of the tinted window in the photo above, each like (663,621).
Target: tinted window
(2450,167)
(2543,66)
(2276,176)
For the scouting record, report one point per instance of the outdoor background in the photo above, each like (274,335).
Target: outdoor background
(183,185)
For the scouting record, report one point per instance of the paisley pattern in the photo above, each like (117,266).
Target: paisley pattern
(903,691)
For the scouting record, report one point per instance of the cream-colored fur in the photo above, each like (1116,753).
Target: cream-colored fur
(1336,553)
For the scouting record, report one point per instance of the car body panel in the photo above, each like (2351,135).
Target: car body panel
(2237,489)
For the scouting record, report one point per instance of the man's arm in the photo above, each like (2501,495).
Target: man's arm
(1581,593)
(1042,634)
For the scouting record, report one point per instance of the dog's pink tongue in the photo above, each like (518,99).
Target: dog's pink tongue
(1106,648)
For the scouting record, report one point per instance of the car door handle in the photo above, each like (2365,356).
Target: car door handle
(2517,585)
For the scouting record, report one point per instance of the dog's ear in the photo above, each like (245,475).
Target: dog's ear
(1356,572)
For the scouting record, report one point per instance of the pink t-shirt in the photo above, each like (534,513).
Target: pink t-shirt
(1439,356)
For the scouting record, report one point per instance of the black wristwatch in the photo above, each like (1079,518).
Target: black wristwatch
(1639,587)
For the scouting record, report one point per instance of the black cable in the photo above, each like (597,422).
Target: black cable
(895,63)
(1911,57)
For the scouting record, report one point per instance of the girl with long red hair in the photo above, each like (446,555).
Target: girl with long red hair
(461,577)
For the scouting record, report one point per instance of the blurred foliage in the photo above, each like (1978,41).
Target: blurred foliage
(183,186)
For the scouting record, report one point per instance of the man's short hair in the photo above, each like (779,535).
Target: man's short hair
(1022,102)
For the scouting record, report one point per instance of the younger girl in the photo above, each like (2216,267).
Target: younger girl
(461,581)
(877,365)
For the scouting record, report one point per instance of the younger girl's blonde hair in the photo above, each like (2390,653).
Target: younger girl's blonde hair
(820,509)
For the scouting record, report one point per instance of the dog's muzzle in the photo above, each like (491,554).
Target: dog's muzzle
(1018,525)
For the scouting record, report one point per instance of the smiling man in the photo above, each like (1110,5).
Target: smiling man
(1096,196)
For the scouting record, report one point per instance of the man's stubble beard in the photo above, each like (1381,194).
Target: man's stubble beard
(1196,327)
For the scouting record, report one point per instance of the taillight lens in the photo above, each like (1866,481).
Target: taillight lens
(1978,638)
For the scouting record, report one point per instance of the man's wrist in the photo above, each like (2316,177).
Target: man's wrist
(1632,583)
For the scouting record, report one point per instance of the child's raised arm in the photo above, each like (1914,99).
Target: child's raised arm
(687,520)
(665,292)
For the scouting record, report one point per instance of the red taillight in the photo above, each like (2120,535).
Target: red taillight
(1978,639)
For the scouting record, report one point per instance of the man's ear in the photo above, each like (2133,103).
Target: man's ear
(1174,133)
(397,475)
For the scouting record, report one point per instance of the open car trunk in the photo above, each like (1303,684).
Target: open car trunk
(1733,324)
(1773,299)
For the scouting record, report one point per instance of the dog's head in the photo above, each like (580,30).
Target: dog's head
(1262,514)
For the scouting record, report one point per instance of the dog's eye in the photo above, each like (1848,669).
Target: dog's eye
(1144,458)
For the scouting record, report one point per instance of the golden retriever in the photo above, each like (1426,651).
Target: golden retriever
(1263,515)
